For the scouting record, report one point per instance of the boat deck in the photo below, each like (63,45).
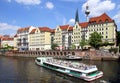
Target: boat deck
(71,64)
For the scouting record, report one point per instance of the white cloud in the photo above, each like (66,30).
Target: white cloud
(29,2)
(49,5)
(71,21)
(98,7)
(5,26)
(117,17)
(71,0)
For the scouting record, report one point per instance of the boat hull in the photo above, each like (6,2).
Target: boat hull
(80,77)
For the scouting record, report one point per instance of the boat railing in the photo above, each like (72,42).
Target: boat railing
(70,64)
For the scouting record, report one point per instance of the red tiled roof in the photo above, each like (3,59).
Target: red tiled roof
(44,29)
(23,29)
(15,35)
(100,19)
(7,39)
(33,31)
(64,27)
(70,28)
(83,24)
(1,36)
(52,30)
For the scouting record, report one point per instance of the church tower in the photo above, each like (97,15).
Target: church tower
(87,12)
(77,17)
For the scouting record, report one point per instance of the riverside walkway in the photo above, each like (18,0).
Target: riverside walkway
(89,54)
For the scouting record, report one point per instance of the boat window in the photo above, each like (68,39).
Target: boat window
(75,72)
(38,60)
(93,73)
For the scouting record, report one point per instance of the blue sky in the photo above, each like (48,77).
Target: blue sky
(16,14)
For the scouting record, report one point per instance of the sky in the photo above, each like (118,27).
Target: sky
(15,14)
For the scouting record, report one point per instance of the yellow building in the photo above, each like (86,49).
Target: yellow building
(104,25)
(40,39)
(7,41)
(62,36)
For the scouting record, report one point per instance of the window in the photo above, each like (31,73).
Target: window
(106,28)
(106,36)
(106,20)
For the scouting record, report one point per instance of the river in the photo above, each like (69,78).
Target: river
(24,70)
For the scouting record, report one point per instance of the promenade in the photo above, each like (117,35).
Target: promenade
(86,55)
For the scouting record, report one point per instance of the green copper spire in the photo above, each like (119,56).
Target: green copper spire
(76,17)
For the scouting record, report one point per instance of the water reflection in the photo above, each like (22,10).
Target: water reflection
(24,70)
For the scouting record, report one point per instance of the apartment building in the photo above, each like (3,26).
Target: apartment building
(23,38)
(40,39)
(7,41)
(63,36)
(104,25)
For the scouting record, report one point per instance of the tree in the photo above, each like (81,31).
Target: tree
(95,40)
(73,46)
(82,43)
(118,37)
(53,46)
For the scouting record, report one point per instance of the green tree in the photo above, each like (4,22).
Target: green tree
(82,43)
(53,46)
(7,47)
(118,37)
(73,46)
(95,40)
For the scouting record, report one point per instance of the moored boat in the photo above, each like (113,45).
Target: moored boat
(75,69)
(73,58)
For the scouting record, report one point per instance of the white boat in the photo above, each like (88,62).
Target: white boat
(73,58)
(79,70)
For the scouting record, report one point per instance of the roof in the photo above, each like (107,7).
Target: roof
(70,28)
(23,29)
(64,27)
(100,19)
(15,35)
(7,39)
(83,24)
(44,29)
(33,31)
(52,30)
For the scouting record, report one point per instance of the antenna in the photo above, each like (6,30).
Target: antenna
(87,11)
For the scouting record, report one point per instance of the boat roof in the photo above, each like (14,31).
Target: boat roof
(75,66)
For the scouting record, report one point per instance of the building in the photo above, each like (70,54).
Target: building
(7,41)
(62,36)
(102,24)
(40,39)
(15,42)
(105,26)
(23,38)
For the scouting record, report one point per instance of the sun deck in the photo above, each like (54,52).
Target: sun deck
(70,64)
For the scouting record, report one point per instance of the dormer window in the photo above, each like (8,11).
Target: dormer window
(57,29)
(76,27)
(106,20)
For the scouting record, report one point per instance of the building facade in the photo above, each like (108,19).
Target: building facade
(23,38)
(63,36)
(40,39)
(7,41)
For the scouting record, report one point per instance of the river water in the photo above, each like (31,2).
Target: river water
(24,70)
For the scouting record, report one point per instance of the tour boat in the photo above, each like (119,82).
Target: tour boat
(75,69)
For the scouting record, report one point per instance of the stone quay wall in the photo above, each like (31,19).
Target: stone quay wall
(87,55)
